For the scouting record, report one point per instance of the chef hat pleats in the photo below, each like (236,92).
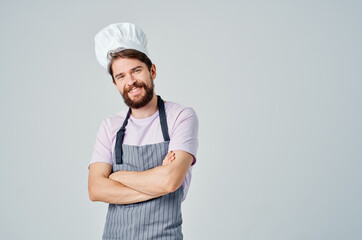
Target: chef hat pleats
(116,37)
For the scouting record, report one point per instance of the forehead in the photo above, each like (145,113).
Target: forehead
(121,65)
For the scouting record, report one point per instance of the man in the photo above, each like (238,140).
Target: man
(143,156)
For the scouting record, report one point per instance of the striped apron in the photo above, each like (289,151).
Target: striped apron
(158,218)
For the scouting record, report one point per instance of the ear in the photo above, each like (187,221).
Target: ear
(153,71)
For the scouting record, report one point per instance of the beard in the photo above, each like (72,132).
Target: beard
(144,100)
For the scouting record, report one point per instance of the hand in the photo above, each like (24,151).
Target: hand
(112,176)
(170,157)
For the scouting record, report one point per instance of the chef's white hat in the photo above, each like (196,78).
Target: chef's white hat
(117,37)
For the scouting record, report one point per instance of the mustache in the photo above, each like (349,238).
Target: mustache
(135,84)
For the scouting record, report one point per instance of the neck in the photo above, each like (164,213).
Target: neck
(147,110)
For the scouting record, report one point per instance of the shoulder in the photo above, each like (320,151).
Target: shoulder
(176,111)
(183,128)
(114,120)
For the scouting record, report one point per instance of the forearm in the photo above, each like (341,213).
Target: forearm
(159,180)
(110,191)
(155,181)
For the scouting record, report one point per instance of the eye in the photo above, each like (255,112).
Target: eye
(120,77)
(137,70)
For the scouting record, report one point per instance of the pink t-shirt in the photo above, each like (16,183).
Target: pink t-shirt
(182,125)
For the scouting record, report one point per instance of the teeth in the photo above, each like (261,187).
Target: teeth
(133,90)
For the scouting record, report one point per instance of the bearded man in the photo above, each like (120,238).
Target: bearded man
(143,156)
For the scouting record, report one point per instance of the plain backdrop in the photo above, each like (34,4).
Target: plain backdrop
(276,86)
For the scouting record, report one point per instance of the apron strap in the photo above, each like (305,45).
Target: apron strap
(163,120)
(119,140)
(120,133)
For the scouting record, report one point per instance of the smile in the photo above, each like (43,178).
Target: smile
(135,90)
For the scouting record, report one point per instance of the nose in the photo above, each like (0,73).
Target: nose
(130,80)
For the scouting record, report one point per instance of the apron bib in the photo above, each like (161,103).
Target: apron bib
(158,218)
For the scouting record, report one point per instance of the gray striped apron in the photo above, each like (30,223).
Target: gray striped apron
(158,218)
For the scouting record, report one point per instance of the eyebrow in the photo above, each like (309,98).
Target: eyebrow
(131,70)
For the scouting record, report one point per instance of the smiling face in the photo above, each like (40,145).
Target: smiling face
(134,81)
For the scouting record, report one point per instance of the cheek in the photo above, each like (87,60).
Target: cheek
(122,86)
(122,90)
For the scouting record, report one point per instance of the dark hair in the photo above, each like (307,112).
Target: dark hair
(127,53)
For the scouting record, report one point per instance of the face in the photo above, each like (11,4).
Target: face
(134,81)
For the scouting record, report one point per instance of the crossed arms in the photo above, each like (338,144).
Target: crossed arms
(125,187)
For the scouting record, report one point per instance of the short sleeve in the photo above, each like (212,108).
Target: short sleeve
(102,151)
(184,134)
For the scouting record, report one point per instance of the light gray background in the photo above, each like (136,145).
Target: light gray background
(276,86)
